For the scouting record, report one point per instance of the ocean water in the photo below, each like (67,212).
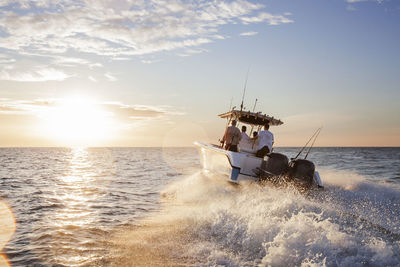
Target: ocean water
(154,207)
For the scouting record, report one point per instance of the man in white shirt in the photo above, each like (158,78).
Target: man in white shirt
(266,139)
(245,137)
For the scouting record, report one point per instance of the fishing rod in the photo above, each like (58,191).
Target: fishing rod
(244,89)
(307,143)
(312,144)
(254,108)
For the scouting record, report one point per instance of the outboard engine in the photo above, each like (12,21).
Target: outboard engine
(275,165)
(301,172)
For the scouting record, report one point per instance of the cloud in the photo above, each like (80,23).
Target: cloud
(4,59)
(248,33)
(24,107)
(123,111)
(110,77)
(134,111)
(121,28)
(95,65)
(189,52)
(146,61)
(10,110)
(45,40)
(39,74)
(70,61)
(270,18)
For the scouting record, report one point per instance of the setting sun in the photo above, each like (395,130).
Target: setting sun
(77,121)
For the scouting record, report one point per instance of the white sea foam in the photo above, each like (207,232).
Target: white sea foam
(351,223)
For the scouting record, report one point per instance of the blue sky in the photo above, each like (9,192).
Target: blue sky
(163,70)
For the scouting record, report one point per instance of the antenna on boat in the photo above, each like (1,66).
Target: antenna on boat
(301,150)
(312,144)
(255,103)
(230,106)
(244,89)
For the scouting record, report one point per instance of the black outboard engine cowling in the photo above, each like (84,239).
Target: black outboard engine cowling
(301,172)
(275,165)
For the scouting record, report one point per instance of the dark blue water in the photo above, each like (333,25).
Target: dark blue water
(153,206)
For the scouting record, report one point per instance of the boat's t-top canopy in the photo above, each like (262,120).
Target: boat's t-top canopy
(251,118)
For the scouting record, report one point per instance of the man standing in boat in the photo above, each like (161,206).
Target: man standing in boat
(245,137)
(266,139)
(232,137)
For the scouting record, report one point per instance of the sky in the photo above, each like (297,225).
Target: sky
(158,72)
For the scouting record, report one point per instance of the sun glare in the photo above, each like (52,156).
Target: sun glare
(78,121)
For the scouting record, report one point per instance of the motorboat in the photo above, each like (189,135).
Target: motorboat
(243,166)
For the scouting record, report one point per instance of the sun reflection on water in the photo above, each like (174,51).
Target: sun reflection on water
(76,191)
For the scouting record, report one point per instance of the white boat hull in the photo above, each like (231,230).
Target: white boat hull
(235,167)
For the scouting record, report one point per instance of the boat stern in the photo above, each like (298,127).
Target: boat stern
(224,163)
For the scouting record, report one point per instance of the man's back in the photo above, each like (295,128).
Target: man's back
(266,139)
(233,135)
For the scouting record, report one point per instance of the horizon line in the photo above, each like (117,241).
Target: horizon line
(186,147)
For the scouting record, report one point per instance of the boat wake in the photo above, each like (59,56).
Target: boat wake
(206,222)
